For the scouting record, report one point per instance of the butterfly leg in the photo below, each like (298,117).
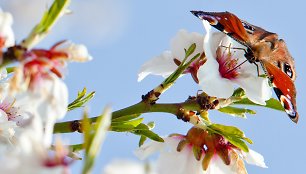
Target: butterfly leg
(257,68)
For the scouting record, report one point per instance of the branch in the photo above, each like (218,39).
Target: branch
(181,110)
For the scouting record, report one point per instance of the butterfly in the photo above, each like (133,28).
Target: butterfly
(262,47)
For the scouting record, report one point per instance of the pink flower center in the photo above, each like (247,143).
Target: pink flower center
(227,64)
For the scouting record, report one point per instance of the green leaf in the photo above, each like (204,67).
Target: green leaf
(239,93)
(149,134)
(237,112)
(238,143)
(144,130)
(74,149)
(271,103)
(81,99)
(49,18)
(248,140)
(229,130)
(86,131)
(10,69)
(96,134)
(151,125)
(133,123)
(233,134)
(173,77)
(122,128)
(190,50)
(142,140)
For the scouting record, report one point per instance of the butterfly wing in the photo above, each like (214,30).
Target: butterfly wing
(284,89)
(227,23)
(262,45)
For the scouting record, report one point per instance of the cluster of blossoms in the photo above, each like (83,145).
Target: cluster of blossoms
(32,98)
(219,70)
(220,67)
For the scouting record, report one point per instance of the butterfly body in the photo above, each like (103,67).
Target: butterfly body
(263,47)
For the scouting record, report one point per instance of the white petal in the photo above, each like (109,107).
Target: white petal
(76,52)
(209,76)
(3,116)
(148,149)
(179,162)
(210,50)
(257,89)
(48,100)
(6,32)
(162,65)
(126,167)
(172,161)
(212,83)
(212,41)
(183,40)
(216,165)
(254,158)
(3,73)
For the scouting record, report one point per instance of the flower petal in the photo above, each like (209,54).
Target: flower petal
(179,162)
(183,40)
(126,167)
(212,41)
(216,165)
(148,149)
(172,161)
(6,32)
(75,52)
(257,89)
(254,158)
(209,76)
(212,83)
(162,65)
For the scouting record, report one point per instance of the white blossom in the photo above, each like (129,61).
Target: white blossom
(30,155)
(181,162)
(226,66)
(75,52)
(49,101)
(166,63)
(7,37)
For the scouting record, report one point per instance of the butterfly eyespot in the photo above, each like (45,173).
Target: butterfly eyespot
(288,106)
(287,69)
(248,28)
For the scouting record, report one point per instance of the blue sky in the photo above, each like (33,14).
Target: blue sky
(122,34)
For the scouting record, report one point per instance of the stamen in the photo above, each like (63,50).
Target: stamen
(236,67)
(10,106)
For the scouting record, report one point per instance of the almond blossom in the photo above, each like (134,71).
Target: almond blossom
(37,80)
(7,38)
(223,68)
(30,155)
(168,61)
(74,52)
(199,152)
(226,66)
